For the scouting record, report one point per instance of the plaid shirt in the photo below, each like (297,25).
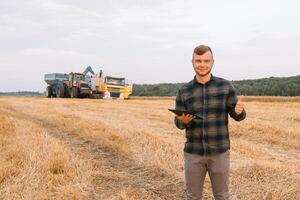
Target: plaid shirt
(213,101)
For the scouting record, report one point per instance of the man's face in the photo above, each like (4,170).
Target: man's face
(203,63)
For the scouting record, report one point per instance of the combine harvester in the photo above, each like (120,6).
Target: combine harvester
(87,85)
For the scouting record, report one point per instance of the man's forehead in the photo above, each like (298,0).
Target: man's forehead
(206,55)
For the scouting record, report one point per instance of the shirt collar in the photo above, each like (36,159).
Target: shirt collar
(212,78)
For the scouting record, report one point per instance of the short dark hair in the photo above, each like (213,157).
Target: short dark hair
(201,49)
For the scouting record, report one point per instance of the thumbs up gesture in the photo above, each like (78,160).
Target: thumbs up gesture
(239,106)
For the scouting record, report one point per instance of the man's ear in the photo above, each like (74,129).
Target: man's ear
(192,58)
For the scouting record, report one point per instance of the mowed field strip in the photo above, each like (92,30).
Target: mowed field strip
(105,149)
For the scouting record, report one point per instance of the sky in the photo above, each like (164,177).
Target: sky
(146,41)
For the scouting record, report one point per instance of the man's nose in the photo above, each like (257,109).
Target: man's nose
(201,64)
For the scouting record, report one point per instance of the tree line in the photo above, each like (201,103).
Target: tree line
(21,93)
(273,86)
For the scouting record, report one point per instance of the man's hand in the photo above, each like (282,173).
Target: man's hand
(185,118)
(239,106)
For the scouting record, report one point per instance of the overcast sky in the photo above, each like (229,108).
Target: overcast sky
(146,41)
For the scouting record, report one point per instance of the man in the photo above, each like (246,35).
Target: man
(207,146)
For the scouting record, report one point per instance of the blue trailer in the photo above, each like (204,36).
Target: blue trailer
(56,82)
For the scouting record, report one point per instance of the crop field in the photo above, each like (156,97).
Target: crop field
(112,149)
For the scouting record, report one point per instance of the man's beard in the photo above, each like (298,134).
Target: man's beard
(203,75)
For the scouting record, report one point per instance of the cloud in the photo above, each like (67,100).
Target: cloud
(148,42)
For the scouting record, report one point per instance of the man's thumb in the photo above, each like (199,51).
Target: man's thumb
(240,98)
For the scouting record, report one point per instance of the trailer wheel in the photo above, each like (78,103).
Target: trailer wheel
(67,92)
(60,91)
(48,92)
(74,92)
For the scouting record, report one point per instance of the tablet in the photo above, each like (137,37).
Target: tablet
(180,112)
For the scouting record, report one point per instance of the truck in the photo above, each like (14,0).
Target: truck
(88,84)
(110,87)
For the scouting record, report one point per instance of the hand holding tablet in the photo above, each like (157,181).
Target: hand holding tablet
(180,112)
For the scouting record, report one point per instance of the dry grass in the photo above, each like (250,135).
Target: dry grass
(97,149)
(36,166)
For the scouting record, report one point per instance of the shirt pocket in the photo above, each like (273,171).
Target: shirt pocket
(217,99)
(218,94)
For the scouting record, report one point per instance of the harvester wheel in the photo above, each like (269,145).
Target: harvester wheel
(74,92)
(95,96)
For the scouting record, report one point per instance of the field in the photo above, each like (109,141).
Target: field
(97,149)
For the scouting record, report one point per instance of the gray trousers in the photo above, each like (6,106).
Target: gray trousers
(217,167)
